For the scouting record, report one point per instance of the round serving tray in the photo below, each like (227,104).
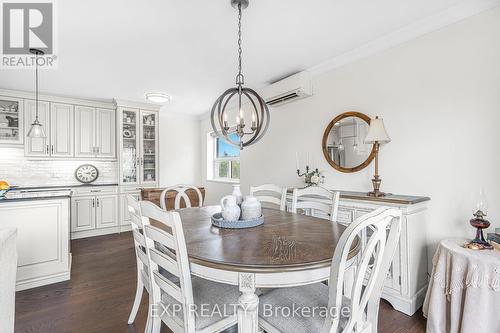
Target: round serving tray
(219,222)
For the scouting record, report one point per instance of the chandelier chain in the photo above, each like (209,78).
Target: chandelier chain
(240,75)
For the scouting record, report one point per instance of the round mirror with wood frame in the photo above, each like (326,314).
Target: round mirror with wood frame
(343,142)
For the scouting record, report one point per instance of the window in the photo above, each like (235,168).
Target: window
(226,159)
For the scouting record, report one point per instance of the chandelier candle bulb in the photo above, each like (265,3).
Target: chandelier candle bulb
(242,120)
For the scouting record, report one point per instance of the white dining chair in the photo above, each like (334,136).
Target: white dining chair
(174,303)
(181,194)
(316,201)
(356,311)
(143,280)
(270,194)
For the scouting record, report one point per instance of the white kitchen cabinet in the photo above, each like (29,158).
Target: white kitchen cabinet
(84,131)
(61,130)
(106,134)
(11,121)
(42,239)
(37,147)
(138,141)
(95,135)
(125,215)
(57,122)
(94,211)
(149,147)
(106,211)
(83,215)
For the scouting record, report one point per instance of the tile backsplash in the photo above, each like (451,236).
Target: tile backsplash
(18,170)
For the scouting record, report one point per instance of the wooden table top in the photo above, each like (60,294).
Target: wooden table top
(284,242)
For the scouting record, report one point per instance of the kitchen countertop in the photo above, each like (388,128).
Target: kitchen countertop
(19,196)
(21,188)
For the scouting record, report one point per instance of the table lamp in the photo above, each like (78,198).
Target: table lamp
(376,136)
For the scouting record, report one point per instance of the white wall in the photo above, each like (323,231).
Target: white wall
(179,149)
(439,96)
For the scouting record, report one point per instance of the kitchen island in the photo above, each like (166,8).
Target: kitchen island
(42,222)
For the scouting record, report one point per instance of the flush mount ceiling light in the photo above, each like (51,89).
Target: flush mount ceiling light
(256,105)
(157,98)
(36,130)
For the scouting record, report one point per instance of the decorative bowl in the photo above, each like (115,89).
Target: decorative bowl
(219,222)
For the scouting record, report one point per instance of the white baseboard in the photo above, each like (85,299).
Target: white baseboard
(406,305)
(42,281)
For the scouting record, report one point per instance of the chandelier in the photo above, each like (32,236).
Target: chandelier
(239,94)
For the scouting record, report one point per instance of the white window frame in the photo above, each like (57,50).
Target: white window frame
(213,162)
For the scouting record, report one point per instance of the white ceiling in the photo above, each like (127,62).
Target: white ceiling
(187,48)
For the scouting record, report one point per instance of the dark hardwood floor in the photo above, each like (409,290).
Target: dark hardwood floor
(100,294)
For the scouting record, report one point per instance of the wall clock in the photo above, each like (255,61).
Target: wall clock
(86,173)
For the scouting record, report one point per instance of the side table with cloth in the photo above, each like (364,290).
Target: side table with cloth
(464,290)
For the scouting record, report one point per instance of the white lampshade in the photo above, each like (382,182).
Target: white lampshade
(377,132)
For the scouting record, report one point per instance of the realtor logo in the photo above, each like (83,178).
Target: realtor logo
(25,26)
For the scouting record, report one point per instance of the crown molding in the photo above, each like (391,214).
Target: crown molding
(432,23)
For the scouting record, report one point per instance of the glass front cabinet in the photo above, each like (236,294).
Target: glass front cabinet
(11,121)
(138,146)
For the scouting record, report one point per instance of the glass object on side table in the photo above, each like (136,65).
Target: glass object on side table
(480,211)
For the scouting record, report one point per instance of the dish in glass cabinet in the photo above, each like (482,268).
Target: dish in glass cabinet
(127,134)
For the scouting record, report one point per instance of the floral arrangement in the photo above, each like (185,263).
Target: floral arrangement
(314,177)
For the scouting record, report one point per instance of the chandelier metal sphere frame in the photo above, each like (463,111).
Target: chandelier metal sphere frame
(256,104)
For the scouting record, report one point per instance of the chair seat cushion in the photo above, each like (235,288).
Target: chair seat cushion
(220,301)
(311,302)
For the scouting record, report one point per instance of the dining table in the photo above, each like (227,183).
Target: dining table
(287,250)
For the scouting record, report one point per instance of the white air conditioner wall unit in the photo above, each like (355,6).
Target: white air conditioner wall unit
(292,88)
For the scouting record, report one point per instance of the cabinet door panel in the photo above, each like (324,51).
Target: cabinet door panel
(82,214)
(12,118)
(105,136)
(129,150)
(84,131)
(107,211)
(125,215)
(149,147)
(37,147)
(61,129)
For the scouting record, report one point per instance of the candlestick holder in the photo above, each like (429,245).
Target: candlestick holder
(311,178)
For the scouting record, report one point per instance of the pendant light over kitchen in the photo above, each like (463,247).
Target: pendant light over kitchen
(254,104)
(36,130)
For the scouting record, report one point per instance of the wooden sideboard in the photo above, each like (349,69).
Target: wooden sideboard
(153,195)
(407,279)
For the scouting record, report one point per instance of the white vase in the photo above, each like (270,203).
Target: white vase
(237,194)
(230,209)
(250,208)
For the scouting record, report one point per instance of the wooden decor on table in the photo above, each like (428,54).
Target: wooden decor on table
(153,195)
